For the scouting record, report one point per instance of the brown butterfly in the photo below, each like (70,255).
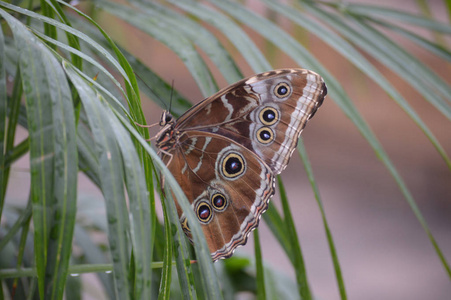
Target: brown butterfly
(225,151)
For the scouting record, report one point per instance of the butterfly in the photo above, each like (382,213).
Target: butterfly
(226,151)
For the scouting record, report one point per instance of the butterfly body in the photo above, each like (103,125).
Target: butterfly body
(225,151)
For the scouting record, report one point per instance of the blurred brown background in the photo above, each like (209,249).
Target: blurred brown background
(383,251)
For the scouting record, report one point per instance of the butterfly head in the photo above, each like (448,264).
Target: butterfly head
(166,137)
(166,118)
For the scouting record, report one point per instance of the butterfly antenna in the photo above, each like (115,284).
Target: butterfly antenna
(152,91)
(170,99)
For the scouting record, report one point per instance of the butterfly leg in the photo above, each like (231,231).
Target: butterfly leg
(168,154)
(146,126)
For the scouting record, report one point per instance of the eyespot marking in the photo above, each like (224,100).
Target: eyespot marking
(232,165)
(204,212)
(219,201)
(265,135)
(282,90)
(185,226)
(268,116)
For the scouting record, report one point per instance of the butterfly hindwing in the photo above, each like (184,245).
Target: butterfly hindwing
(227,186)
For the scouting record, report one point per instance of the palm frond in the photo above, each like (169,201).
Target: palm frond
(68,83)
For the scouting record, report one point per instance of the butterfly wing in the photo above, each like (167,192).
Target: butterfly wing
(226,150)
(227,185)
(265,113)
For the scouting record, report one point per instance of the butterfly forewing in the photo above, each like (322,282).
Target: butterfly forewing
(225,151)
(238,113)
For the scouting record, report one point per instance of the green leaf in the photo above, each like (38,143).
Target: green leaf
(87,160)
(20,222)
(73,289)
(205,37)
(171,38)
(434,48)
(416,73)
(14,113)
(333,251)
(298,260)
(364,129)
(208,274)
(277,226)
(181,253)
(140,221)
(448,8)
(261,290)
(3,116)
(72,39)
(17,152)
(92,254)
(165,283)
(14,107)
(35,56)
(354,56)
(397,15)
(111,179)
(236,35)
(65,180)
(279,285)
(393,57)
(299,54)
(101,51)
(199,35)
(158,89)
(24,236)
